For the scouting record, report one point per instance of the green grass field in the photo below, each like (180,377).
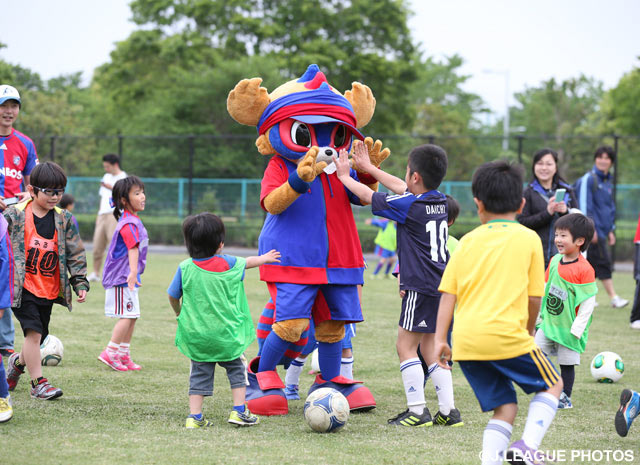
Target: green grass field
(107,417)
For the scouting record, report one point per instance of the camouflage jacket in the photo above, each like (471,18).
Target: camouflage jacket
(72,258)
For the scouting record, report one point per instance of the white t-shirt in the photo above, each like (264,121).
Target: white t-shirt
(105,194)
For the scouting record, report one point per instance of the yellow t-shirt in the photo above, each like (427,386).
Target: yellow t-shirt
(495,269)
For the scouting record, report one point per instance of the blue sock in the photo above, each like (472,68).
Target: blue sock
(4,387)
(329,359)
(378,267)
(389,265)
(197,416)
(239,408)
(272,350)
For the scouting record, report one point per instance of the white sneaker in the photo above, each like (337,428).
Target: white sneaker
(635,324)
(93,277)
(618,302)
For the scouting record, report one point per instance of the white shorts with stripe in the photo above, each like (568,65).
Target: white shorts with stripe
(121,302)
(419,312)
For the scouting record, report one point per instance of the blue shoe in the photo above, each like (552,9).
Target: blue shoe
(628,411)
(291,392)
(564,401)
(265,392)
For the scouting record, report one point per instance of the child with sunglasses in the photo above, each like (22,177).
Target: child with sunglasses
(49,259)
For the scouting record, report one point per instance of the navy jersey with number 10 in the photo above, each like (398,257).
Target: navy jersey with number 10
(422,237)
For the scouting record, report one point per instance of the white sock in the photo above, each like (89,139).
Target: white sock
(346,367)
(413,380)
(124,349)
(112,348)
(293,372)
(443,384)
(542,409)
(495,440)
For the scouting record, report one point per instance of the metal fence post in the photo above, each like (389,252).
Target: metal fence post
(52,153)
(431,138)
(191,155)
(616,138)
(520,138)
(180,197)
(243,199)
(120,144)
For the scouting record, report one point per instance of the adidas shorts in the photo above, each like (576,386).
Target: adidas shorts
(419,312)
(121,302)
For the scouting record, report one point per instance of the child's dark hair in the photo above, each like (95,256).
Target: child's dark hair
(48,175)
(66,200)
(453,209)
(430,162)
(605,149)
(112,159)
(579,226)
(498,184)
(203,234)
(121,190)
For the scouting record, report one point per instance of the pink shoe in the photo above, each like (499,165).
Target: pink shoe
(127,362)
(111,362)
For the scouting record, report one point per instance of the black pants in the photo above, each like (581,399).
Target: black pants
(635,310)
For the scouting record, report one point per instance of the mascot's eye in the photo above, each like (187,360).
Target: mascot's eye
(340,137)
(300,134)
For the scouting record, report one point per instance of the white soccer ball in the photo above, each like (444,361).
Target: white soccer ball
(607,367)
(51,351)
(326,410)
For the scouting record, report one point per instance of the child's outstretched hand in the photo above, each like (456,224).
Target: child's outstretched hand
(342,164)
(272,256)
(82,295)
(360,156)
(132,280)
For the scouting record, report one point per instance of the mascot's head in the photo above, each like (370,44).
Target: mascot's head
(302,113)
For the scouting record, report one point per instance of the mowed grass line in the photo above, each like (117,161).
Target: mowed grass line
(107,417)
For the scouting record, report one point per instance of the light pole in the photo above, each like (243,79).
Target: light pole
(505,122)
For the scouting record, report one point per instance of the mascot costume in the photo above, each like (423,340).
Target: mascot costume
(303,124)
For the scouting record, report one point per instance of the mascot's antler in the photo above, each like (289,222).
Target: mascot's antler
(363,102)
(247,101)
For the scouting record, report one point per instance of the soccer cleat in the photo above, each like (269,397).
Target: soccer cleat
(564,401)
(359,397)
(13,372)
(245,418)
(453,419)
(44,390)
(128,363)
(291,392)
(192,423)
(521,454)
(6,411)
(408,418)
(93,277)
(619,302)
(628,411)
(635,324)
(114,362)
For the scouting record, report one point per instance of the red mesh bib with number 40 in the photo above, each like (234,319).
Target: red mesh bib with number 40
(42,276)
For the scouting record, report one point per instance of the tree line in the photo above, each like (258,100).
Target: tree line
(171,77)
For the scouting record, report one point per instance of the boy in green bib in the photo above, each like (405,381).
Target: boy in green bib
(569,300)
(214,323)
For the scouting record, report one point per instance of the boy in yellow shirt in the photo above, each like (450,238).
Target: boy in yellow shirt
(496,277)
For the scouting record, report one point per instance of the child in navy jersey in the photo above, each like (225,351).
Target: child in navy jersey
(420,211)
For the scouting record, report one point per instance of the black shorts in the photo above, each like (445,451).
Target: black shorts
(419,312)
(34,314)
(598,256)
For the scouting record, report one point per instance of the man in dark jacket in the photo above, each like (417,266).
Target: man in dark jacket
(594,191)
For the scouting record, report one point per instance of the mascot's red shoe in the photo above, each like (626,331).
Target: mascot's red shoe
(265,392)
(359,397)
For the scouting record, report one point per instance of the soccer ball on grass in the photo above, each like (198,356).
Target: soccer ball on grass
(51,351)
(607,367)
(326,410)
